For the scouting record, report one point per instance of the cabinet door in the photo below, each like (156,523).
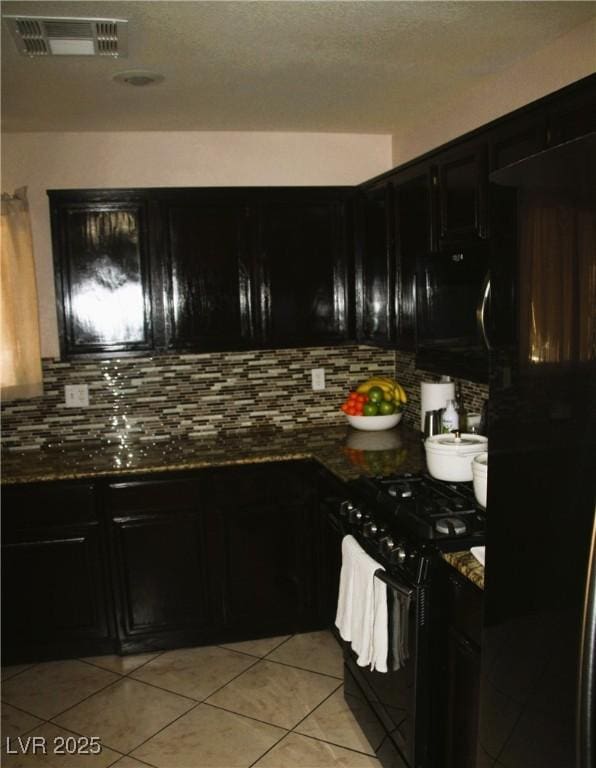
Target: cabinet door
(303,270)
(463,185)
(415,235)
(161,574)
(463,701)
(208,272)
(375,267)
(102,274)
(265,548)
(55,600)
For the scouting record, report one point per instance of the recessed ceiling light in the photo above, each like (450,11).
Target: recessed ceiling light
(138,77)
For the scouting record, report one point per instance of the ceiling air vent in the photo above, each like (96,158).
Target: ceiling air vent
(64,36)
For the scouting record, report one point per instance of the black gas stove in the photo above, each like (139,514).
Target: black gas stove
(426,509)
(404,521)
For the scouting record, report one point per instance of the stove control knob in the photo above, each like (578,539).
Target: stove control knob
(355,515)
(372,530)
(345,507)
(398,554)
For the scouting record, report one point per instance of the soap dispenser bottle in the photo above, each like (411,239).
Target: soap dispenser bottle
(450,420)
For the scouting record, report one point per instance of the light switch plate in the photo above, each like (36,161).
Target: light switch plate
(76,396)
(318,379)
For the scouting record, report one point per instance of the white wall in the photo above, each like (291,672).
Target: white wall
(565,60)
(43,161)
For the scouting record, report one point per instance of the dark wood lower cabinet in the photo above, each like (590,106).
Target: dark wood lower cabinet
(264,566)
(464,601)
(463,697)
(56,599)
(160,561)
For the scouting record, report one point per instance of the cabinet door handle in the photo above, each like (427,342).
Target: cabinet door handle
(586,737)
(482,309)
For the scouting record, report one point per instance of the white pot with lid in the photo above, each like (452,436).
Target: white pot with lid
(479,477)
(449,457)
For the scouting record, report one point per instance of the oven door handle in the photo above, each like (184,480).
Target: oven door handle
(396,585)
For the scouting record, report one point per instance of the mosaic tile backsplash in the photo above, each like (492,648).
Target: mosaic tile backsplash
(196,395)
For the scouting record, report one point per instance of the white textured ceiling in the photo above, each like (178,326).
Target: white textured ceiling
(362,67)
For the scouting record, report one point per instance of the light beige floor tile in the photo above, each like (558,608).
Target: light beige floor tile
(209,738)
(194,672)
(14,669)
(274,693)
(125,714)
(316,651)
(257,647)
(129,762)
(301,752)
(49,688)
(52,736)
(334,721)
(15,722)
(122,665)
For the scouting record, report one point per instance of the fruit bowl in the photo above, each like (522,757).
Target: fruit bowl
(374,423)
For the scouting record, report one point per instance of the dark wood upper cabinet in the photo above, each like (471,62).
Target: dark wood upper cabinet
(102,273)
(573,113)
(201,269)
(375,266)
(207,271)
(462,178)
(415,237)
(517,137)
(303,266)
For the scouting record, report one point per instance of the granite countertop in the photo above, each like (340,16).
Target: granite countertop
(466,564)
(345,452)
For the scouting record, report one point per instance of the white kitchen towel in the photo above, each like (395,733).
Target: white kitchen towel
(362,606)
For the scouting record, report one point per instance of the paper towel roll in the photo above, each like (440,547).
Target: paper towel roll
(434,395)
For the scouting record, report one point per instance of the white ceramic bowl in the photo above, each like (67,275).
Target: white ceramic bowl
(479,476)
(449,458)
(374,423)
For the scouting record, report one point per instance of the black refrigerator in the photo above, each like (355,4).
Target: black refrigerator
(538,665)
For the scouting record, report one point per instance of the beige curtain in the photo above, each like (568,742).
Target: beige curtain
(20,353)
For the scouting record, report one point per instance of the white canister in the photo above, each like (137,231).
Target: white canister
(449,457)
(434,396)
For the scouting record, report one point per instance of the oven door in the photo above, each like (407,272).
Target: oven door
(399,697)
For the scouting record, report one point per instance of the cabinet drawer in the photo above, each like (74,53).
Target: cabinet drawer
(48,504)
(145,496)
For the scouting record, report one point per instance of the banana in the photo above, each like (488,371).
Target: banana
(386,386)
(401,392)
(391,388)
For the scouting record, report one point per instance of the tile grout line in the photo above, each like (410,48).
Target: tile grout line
(20,672)
(302,669)
(197,704)
(124,674)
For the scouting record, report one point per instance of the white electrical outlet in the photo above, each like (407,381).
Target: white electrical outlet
(76,396)
(318,379)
